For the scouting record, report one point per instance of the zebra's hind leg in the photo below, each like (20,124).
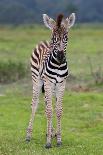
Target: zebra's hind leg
(43,90)
(34,105)
(59,95)
(53,133)
(48,111)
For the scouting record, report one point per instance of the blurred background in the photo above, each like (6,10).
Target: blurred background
(30,11)
(21,28)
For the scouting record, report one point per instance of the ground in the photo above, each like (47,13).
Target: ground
(82,121)
(82,126)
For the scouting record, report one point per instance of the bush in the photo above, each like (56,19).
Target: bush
(12,71)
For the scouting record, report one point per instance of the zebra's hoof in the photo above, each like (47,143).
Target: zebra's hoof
(48,146)
(59,144)
(28,139)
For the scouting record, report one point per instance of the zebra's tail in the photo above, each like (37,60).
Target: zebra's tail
(43,90)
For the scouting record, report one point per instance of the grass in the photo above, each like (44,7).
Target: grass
(16,43)
(82,121)
(82,126)
(20,40)
(11,71)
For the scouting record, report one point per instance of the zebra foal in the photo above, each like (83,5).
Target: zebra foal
(49,67)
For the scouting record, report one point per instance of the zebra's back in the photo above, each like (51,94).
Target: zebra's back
(38,57)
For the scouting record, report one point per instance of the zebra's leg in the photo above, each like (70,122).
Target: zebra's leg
(53,134)
(60,87)
(35,100)
(48,111)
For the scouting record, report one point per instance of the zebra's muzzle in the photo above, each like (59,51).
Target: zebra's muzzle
(61,57)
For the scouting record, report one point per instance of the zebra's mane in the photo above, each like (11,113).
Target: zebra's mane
(59,20)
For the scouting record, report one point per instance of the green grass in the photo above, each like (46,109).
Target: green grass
(16,43)
(11,71)
(82,126)
(82,122)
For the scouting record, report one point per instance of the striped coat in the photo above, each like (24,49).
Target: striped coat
(44,63)
(49,67)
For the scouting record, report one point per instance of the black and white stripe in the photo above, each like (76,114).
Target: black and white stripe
(49,64)
(45,63)
(53,70)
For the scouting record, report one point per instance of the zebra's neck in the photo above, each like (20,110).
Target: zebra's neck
(53,70)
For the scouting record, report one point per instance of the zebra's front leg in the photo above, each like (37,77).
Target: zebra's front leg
(53,134)
(48,111)
(34,105)
(59,98)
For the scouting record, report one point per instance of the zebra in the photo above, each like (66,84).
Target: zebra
(49,68)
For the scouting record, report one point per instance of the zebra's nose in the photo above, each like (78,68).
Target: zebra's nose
(60,56)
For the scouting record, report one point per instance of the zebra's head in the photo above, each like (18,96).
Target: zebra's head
(60,29)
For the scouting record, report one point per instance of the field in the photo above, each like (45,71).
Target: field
(82,122)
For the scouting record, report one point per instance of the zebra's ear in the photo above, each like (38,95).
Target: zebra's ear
(70,20)
(49,22)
